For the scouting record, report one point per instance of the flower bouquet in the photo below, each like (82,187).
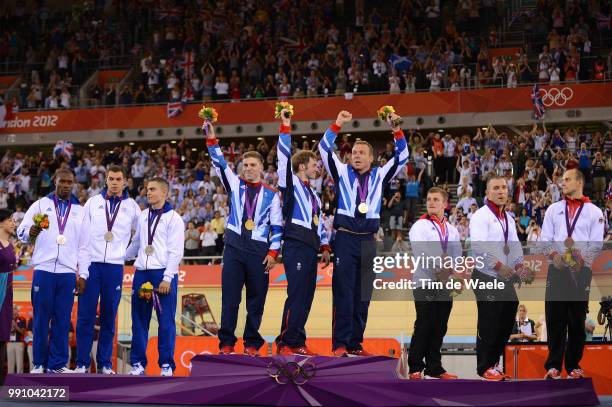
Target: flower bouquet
(573,259)
(383,114)
(523,275)
(208,114)
(148,293)
(278,108)
(41,221)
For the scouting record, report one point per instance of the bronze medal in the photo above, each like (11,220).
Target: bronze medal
(569,242)
(149,250)
(506,249)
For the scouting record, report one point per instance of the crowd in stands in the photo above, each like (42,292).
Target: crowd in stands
(56,49)
(238,49)
(532,162)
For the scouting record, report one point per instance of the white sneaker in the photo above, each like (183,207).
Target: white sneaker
(80,369)
(62,370)
(107,370)
(137,370)
(37,370)
(166,370)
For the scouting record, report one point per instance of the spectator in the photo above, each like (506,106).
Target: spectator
(209,244)
(16,345)
(524,329)
(397,213)
(413,194)
(192,242)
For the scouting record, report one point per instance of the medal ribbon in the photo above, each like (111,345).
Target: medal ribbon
(250,204)
(505,229)
(110,220)
(61,220)
(572,226)
(442,234)
(363,189)
(313,201)
(154,216)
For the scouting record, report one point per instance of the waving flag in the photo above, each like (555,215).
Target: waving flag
(400,63)
(538,106)
(175,107)
(63,148)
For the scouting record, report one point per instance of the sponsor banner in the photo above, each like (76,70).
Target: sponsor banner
(595,362)
(210,275)
(192,276)
(313,109)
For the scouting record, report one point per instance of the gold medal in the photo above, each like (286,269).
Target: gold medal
(315,219)
(149,250)
(61,240)
(108,236)
(363,207)
(569,242)
(249,224)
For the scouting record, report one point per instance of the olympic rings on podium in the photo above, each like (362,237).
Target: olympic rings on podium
(291,372)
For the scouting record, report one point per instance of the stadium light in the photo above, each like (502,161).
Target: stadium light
(173,142)
(91,145)
(131,143)
(194,149)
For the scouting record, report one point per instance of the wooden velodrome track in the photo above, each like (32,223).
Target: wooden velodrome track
(386,318)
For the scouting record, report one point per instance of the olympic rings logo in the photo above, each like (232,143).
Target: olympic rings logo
(291,372)
(556,96)
(188,354)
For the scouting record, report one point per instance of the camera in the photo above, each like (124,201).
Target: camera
(604,311)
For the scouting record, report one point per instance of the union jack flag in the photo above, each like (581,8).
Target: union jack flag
(175,107)
(538,106)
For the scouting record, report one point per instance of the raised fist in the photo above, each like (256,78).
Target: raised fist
(343,117)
